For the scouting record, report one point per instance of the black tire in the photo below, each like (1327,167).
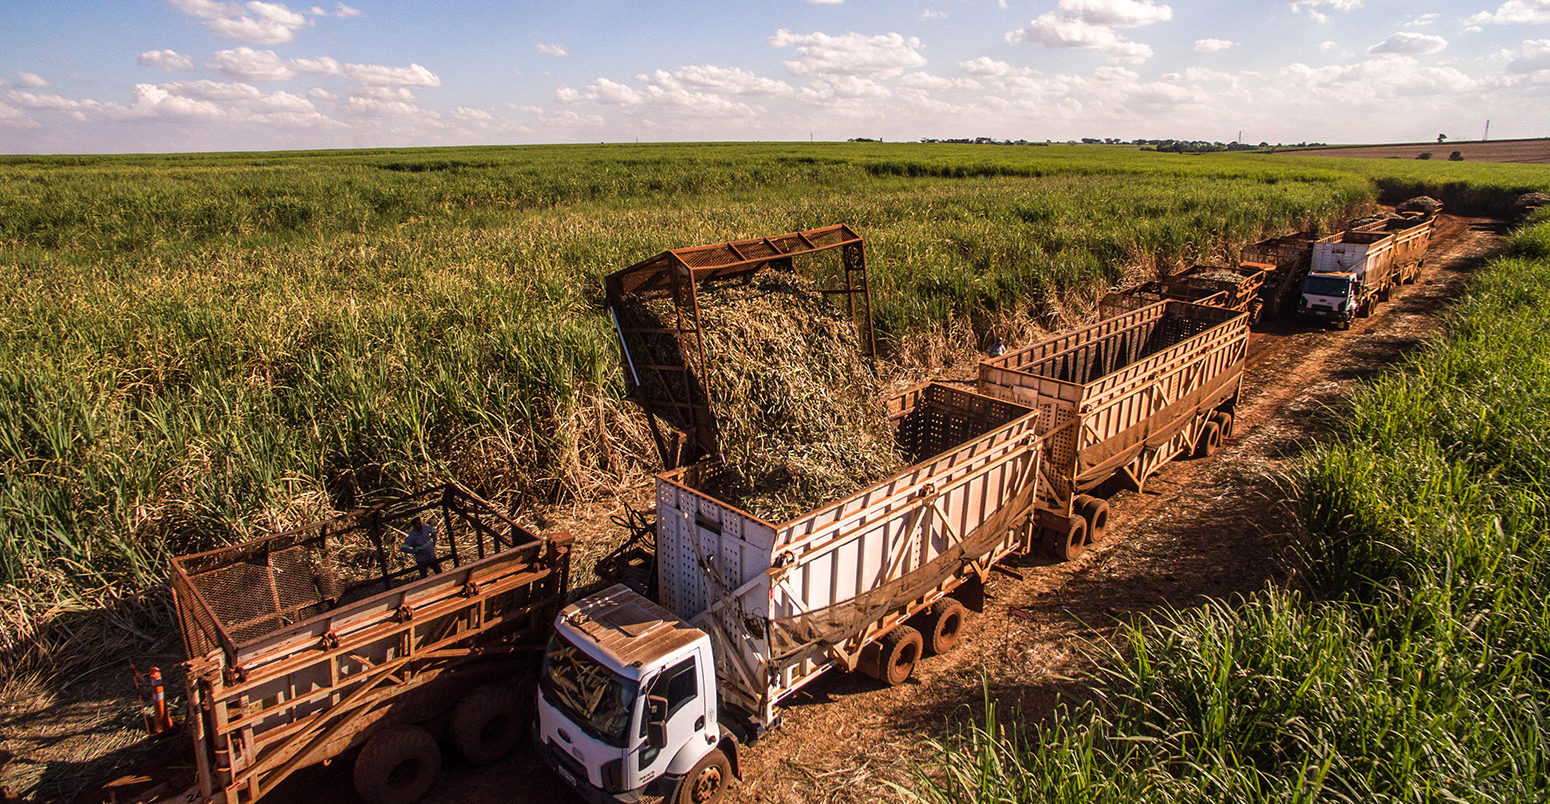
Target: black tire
(1223,420)
(706,782)
(943,625)
(1096,511)
(398,765)
(899,650)
(1067,545)
(1256,312)
(1209,440)
(487,723)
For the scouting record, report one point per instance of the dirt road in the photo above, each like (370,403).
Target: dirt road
(1533,151)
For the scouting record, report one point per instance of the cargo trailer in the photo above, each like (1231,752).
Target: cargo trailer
(1241,289)
(665,367)
(1119,399)
(308,644)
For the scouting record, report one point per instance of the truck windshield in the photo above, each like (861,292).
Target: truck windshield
(1316,285)
(591,695)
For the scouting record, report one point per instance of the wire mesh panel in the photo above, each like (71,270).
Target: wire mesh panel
(238,594)
(656,304)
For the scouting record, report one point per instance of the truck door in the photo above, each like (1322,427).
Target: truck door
(688,714)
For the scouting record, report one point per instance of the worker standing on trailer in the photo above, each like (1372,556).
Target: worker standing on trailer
(421,543)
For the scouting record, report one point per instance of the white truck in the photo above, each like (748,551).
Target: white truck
(644,697)
(1351,273)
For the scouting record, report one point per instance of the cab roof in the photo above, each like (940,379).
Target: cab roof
(626,628)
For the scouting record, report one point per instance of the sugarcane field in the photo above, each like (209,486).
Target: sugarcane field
(749,430)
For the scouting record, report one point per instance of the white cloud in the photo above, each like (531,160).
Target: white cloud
(691,92)
(368,74)
(341,11)
(1118,13)
(1128,52)
(1378,79)
(255,21)
(1534,56)
(1328,44)
(731,81)
(991,68)
(166,59)
(1515,12)
(850,55)
(1310,6)
(1407,43)
(928,15)
(30,80)
(1092,24)
(1213,45)
(558,51)
(375,74)
(467,114)
(927,81)
(1421,21)
(250,65)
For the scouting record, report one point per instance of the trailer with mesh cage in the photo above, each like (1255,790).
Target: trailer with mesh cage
(665,361)
(1118,400)
(309,644)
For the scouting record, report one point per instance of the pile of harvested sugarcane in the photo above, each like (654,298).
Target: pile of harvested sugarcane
(798,414)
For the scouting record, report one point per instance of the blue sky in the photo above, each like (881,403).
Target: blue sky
(194,75)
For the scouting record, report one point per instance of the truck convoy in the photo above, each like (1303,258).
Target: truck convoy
(1355,270)
(654,696)
(326,641)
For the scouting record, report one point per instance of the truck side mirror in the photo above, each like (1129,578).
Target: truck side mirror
(656,721)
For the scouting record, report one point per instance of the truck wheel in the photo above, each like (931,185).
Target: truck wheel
(487,723)
(1223,420)
(897,653)
(943,625)
(1067,545)
(1209,440)
(707,781)
(1096,512)
(1256,312)
(1385,293)
(398,766)
(1345,323)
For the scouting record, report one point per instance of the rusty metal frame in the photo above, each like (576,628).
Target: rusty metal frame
(681,275)
(202,625)
(263,708)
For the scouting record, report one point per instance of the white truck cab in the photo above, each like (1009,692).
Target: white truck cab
(627,703)
(1330,295)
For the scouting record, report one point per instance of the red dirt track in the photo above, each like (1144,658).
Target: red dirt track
(1528,151)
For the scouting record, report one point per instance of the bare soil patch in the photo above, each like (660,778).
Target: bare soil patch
(1535,151)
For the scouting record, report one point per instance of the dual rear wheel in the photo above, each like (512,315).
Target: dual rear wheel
(399,764)
(1089,523)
